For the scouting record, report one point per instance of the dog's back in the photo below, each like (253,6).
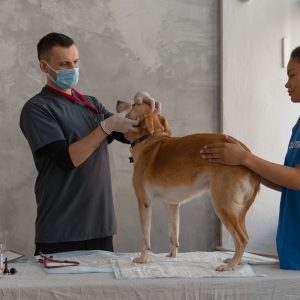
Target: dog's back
(176,160)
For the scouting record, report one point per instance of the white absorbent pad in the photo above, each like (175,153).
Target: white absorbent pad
(190,265)
(186,265)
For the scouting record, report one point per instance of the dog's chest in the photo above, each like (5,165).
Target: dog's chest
(179,193)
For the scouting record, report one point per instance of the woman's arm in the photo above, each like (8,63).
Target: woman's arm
(284,176)
(232,153)
(270,185)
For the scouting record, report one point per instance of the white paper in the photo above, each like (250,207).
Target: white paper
(185,265)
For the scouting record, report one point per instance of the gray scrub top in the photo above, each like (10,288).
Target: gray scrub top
(72,205)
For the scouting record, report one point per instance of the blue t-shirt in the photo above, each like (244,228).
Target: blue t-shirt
(288,232)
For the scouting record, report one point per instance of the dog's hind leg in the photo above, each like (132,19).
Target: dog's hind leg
(235,224)
(145,212)
(240,238)
(231,208)
(173,219)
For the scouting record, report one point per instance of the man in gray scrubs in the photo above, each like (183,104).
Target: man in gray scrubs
(68,135)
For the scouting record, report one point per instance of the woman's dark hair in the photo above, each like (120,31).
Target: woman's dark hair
(296,54)
(50,40)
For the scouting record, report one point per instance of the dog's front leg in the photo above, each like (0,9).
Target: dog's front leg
(173,218)
(145,212)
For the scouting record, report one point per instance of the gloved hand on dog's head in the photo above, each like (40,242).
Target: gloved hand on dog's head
(146,98)
(118,123)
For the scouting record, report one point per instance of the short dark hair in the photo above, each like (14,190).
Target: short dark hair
(296,54)
(50,40)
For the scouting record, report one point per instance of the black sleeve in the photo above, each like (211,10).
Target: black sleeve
(117,136)
(57,152)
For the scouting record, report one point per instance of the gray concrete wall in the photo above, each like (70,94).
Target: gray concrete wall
(168,48)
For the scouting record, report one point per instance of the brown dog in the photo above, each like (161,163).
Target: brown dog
(171,169)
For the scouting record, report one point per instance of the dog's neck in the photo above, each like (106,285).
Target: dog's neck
(140,139)
(136,141)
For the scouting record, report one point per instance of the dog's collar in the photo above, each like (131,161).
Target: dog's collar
(138,140)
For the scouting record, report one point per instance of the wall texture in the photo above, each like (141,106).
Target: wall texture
(256,107)
(169,48)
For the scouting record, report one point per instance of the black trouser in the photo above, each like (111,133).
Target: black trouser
(105,243)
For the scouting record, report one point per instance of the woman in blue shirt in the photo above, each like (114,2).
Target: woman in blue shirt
(284,178)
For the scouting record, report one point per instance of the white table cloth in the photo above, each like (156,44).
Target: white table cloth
(32,282)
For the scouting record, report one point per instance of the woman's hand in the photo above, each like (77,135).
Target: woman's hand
(230,152)
(273,175)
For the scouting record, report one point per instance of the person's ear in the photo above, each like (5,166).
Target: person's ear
(43,66)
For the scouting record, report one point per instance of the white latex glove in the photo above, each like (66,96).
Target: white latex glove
(118,123)
(146,98)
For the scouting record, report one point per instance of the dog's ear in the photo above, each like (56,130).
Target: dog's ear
(165,124)
(149,123)
(123,106)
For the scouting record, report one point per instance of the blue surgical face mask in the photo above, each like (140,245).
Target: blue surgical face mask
(65,78)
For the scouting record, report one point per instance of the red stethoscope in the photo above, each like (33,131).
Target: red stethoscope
(48,260)
(81,100)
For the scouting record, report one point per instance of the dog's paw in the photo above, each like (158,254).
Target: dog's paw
(171,254)
(225,267)
(140,260)
(227,260)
